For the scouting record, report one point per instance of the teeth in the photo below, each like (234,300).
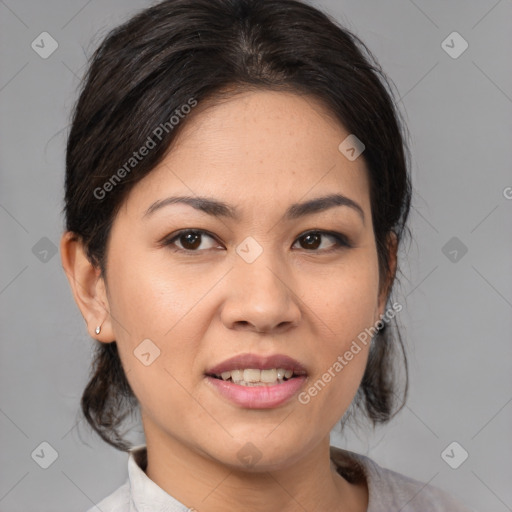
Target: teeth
(268,375)
(237,375)
(254,376)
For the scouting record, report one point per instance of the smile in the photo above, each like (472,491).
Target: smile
(257,377)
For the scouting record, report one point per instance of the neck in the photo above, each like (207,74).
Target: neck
(207,485)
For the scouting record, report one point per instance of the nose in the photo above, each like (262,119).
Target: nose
(260,297)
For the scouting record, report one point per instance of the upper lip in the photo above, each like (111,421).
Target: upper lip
(244,361)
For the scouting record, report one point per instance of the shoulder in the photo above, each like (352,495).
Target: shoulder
(408,494)
(389,490)
(118,501)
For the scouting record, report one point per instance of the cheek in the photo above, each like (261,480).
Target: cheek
(150,309)
(149,299)
(345,300)
(344,304)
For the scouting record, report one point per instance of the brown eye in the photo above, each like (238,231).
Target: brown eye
(192,241)
(189,240)
(313,240)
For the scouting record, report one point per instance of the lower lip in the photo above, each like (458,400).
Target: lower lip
(258,397)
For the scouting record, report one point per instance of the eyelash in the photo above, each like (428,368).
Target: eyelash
(342,241)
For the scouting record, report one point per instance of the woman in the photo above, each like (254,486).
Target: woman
(236,193)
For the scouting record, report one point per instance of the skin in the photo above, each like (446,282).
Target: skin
(259,152)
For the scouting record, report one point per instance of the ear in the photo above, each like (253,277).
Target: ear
(385,286)
(88,287)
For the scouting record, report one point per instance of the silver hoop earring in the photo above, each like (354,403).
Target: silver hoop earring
(98,329)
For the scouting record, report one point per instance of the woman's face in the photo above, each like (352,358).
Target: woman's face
(251,283)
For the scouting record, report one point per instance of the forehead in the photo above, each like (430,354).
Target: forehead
(258,147)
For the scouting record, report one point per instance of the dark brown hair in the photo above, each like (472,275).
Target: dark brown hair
(147,69)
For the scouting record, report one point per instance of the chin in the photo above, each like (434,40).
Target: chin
(260,453)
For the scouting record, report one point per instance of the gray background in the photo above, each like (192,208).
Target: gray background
(457,315)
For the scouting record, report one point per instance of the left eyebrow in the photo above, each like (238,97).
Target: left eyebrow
(221,209)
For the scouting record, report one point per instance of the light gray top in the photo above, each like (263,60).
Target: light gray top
(388,491)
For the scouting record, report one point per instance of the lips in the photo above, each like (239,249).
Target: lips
(288,377)
(257,397)
(246,361)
